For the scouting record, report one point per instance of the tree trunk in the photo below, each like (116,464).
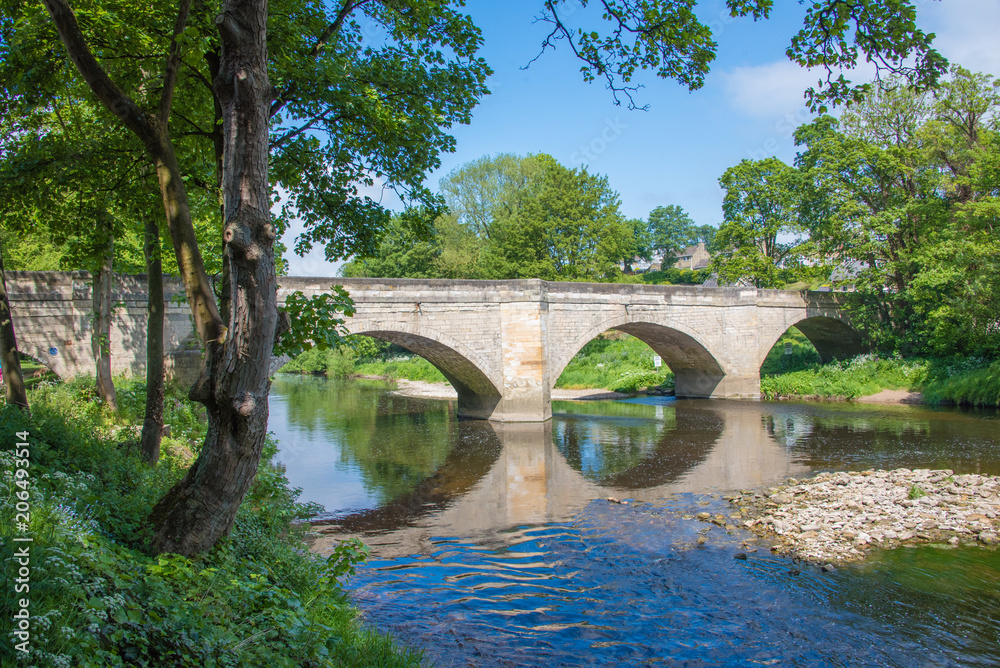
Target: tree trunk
(234,385)
(9,357)
(152,425)
(100,339)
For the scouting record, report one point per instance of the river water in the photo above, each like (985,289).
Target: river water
(495,545)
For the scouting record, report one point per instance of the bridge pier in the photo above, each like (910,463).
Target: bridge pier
(526,394)
(695,384)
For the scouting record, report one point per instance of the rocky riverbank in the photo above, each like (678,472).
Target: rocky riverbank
(840,517)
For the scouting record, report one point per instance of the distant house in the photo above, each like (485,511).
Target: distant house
(693,257)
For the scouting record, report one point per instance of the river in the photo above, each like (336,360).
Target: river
(496,545)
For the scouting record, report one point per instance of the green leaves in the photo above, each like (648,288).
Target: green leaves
(315,321)
(761,232)
(901,195)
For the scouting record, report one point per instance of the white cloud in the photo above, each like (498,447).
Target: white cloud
(965,30)
(773,89)
(965,34)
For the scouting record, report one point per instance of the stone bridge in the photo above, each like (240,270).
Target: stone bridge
(502,344)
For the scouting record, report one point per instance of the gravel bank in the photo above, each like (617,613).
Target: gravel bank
(839,517)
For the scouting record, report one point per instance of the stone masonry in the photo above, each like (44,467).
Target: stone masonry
(502,344)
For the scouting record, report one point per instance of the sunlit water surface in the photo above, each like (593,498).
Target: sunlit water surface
(495,544)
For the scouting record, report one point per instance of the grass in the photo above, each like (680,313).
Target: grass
(97,598)
(615,361)
(862,376)
(970,382)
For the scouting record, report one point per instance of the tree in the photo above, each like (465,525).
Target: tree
(483,192)
(761,232)
(152,423)
(9,358)
(667,37)
(903,199)
(566,227)
(671,230)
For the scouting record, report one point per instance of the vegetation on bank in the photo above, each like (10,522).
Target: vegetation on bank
(614,361)
(858,377)
(967,381)
(97,599)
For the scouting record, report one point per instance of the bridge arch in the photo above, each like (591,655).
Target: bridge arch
(833,338)
(473,379)
(696,371)
(54,364)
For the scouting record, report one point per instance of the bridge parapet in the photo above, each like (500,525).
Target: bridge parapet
(502,344)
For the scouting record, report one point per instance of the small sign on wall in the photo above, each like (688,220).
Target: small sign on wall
(53,351)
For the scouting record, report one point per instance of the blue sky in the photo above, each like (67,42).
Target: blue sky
(675,152)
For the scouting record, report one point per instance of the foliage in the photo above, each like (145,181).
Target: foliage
(403,252)
(258,598)
(669,39)
(861,376)
(410,367)
(760,233)
(675,276)
(671,230)
(513,217)
(977,384)
(633,381)
(901,195)
(613,361)
(364,356)
(569,228)
(803,354)
(314,321)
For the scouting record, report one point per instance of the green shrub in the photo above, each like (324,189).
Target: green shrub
(97,599)
(803,354)
(971,381)
(634,381)
(860,376)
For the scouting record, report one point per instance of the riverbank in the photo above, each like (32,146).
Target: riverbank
(98,598)
(841,517)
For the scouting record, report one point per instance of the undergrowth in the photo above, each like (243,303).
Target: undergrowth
(615,361)
(857,377)
(97,598)
(971,382)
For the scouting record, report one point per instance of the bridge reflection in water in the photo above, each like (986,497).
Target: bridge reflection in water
(499,476)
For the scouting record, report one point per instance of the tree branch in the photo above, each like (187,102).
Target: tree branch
(285,96)
(173,63)
(106,90)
